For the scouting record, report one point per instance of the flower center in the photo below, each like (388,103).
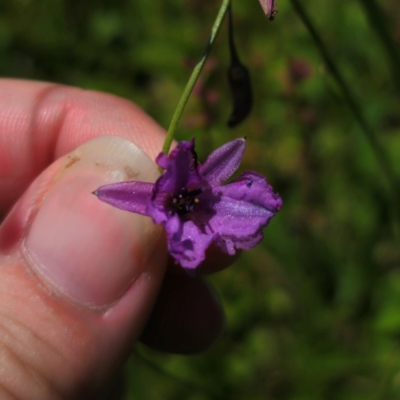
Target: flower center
(185,201)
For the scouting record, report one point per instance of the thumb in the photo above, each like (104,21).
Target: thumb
(78,278)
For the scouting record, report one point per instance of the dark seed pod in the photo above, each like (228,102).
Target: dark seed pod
(239,82)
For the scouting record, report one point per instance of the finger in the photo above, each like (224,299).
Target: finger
(78,278)
(40,122)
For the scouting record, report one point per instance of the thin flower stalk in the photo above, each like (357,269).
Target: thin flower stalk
(194,76)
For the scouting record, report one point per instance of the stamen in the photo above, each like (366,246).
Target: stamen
(185,201)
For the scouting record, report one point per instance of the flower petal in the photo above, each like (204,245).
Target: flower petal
(223,162)
(129,196)
(253,188)
(237,212)
(186,243)
(180,169)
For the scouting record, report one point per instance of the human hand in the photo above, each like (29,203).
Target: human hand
(78,278)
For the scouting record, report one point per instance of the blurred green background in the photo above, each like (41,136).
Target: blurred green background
(313,312)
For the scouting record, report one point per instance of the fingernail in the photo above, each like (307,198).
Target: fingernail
(84,248)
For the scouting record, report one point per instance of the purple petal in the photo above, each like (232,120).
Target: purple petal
(254,188)
(162,161)
(223,162)
(237,212)
(186,243)
(181,169)
(129,196)
(158,208)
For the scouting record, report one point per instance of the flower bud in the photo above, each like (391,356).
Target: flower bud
(270,8)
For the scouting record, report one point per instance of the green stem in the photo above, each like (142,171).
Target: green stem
(193,78)
(369,134)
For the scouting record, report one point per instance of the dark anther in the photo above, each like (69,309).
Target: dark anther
(185,201)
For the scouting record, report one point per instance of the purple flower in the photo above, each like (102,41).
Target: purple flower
(189,200)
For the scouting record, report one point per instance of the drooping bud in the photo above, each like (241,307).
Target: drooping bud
(270,8)
(239,82)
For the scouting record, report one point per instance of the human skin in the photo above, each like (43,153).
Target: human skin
(79,279)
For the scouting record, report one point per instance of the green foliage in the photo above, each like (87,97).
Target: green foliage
(313,312)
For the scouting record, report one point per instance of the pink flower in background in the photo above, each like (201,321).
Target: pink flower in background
(270,8)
